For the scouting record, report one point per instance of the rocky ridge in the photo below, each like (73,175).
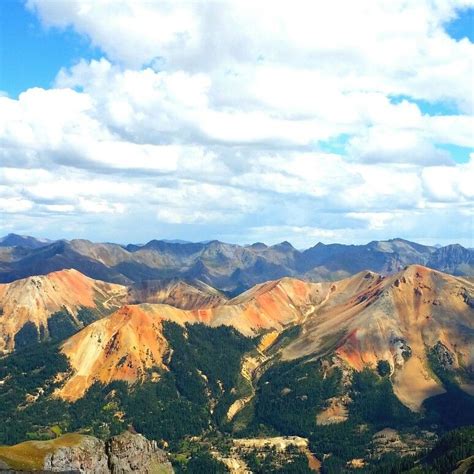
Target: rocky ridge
(229,267)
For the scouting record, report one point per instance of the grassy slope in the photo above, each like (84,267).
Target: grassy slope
(31,454)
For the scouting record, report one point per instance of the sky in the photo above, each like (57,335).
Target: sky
(243,121)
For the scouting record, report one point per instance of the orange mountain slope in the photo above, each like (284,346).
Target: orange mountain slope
(125,344)
(397,319)
(35,299)
(360,320)
(271,305)
(119,347)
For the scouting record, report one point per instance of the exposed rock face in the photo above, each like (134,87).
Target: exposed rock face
(76,453)
(466,466)
(130,452)
(88,456)
(443,355)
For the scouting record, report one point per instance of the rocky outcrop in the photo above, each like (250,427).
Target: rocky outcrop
(122,454)
(76,453)
(87,456)
(466,466)
(131,452)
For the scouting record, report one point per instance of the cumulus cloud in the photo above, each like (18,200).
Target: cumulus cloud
(375,45)
(453,184)
(246,121)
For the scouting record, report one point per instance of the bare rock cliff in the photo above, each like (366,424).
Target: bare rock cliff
(75,453)
(87,456)
(129,452)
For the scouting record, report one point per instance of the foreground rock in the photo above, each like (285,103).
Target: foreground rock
(88,455)
(128,452)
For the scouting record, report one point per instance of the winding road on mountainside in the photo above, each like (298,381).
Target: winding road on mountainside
(252,363)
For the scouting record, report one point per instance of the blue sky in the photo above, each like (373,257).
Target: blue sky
(462,26)
(154,120)
(39,52)
(31,55)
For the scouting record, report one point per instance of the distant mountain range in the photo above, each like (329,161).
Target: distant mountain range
(229,267)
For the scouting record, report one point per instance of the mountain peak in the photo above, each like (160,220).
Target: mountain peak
(285,245)
(17,240)
(453,247)
(258,246)
(393,318)
(29,305)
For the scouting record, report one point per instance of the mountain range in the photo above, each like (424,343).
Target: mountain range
(328,365)
(230,268)
(360,320)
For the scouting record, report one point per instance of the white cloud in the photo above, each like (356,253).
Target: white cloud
(376,220)
(393,47)
(59,208)
(388,144)
(450,184)
(453,129)
(15,204)
(247,116)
